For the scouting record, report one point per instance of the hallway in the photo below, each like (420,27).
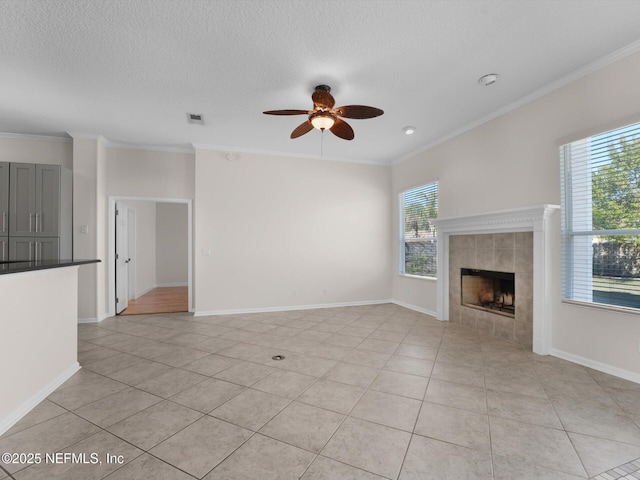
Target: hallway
(160,300)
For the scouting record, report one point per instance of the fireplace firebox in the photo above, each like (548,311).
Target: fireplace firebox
(488,290)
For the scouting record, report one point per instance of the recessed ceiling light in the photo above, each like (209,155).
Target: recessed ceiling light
(489,79)
(195,118)
(409,130)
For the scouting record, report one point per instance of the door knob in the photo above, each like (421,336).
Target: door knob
(127,260)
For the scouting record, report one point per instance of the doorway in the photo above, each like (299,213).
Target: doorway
(150,255)
(159,300)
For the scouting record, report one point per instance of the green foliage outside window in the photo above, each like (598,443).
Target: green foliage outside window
(616,191)
(420,208)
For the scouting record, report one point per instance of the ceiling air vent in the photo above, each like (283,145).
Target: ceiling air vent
(195,118)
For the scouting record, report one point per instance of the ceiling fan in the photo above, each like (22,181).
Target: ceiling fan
(325,117)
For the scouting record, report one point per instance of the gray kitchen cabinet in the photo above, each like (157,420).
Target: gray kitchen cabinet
(4,199)
(35,200)
(47,248)
(34,249)
(39,218)
(22,199)
(22,248)
(4,249)
(47,201)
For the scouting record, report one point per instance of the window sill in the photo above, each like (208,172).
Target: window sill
(418,277)
(603,306)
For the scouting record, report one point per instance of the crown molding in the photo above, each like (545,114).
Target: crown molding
(155,148)
(236,150)
(131,146)
(86,136)
(42,138)
(541,92)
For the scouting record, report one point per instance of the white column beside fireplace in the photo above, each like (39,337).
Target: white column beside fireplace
(531,219)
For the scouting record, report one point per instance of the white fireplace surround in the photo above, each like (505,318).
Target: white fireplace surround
(536,219)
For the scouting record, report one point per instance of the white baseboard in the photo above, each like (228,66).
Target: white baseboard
(289,308)
(94,320)
(160,285)
(144,292)
(88,320)
(601,367)
(417,309)
(13,418)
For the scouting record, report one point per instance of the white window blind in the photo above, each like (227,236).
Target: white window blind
(600,189)
(418,244)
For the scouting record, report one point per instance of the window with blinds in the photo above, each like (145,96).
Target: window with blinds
(418,244)
(600,189)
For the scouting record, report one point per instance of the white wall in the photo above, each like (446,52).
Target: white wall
(39,335)
(102,212)
(278,225)
(29,149)
(171,244)
(149,173)
(513,161)
(86,154)
(145,254)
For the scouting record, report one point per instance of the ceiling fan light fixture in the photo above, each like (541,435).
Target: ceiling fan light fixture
(322,121)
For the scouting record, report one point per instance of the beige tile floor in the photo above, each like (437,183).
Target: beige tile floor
(365,392)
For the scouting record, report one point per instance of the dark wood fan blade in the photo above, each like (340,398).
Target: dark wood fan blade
(342,129)
(359,112)
(323,99)
(302,129)
(286,112)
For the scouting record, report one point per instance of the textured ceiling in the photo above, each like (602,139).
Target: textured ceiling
(132,69)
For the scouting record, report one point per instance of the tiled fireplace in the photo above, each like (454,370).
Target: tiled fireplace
(510,244)
(484,297)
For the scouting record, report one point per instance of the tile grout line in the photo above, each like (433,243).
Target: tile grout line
(209,415)
(486,398)
(406,452)
(340,424)
(147,451)
(345,418)
(564,428)
(290,402)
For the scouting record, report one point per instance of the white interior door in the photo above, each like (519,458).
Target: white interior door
(131,233)
(122,258)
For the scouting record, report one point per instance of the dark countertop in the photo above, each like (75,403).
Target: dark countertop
(17,266)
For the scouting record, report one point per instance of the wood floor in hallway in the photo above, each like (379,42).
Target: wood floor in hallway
(160,300)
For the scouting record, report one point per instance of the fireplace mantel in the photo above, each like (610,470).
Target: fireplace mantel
(536,219)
